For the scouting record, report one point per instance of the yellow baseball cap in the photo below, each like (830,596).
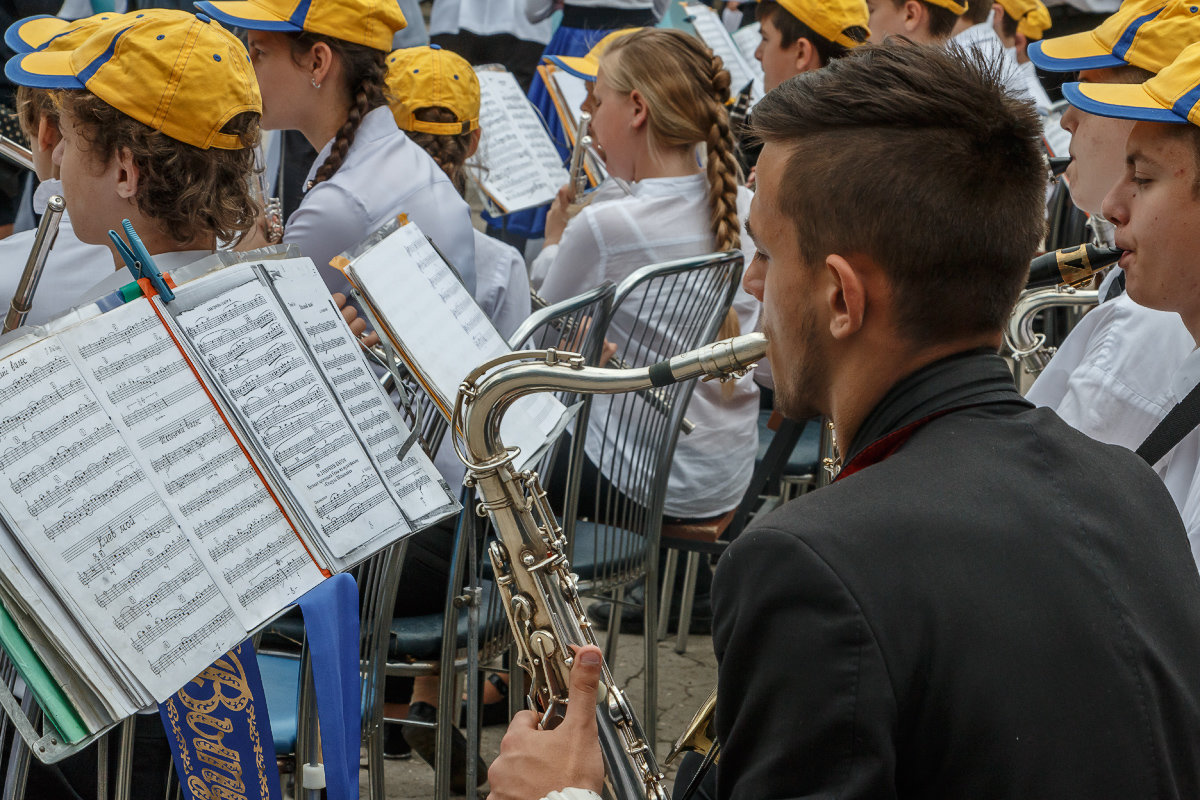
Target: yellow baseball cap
(372,23)
(178,73)
(420,77)
(1173,95)
(958,9)
(587,66)
(1144,33)
(1032,16)
(831,18)
(46,32)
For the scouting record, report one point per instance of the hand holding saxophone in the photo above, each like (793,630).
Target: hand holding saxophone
(534,762)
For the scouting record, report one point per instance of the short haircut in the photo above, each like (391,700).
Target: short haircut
(941,20)
(916,157)
(792,29)
(187,190)
(977,11)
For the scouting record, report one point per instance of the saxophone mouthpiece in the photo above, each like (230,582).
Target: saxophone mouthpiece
(728,358)
(1071,265)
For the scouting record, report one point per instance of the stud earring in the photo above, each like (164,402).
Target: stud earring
(314,83)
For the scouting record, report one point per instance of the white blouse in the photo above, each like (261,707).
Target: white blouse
(662,220)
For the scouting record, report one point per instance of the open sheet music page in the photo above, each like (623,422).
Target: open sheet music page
(88,516)
(712,31)
(747,40)
(408,473)
(257,363)
(517,164)
(193,460)
(443,334)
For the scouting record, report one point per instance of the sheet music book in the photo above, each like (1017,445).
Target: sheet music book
(568,92)
(178,473)
(441,333)
(743,70)
(517,165)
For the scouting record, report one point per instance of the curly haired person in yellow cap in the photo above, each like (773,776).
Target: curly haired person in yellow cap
(320,67)
(158,113)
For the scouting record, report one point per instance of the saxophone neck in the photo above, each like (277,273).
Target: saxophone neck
(488,391)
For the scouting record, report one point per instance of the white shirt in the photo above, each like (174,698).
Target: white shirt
(70,267)
(1178,468)
(537,10)
(983,38)
(384,174)
(501,283)
(488,17)
(1111,376)
(115,278)
(663,219)
(1033,86)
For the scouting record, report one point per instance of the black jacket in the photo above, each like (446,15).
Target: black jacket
(1003,608)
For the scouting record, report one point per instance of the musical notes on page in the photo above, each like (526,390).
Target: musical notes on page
(742,70)
(291,415)
(79,525)
(190,457)
(441,332)
(410,477)
(517,164)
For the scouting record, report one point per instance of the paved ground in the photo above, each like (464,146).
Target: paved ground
(684,682)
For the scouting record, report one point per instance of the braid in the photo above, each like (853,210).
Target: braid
(364,69)
(723,169)
(448,151)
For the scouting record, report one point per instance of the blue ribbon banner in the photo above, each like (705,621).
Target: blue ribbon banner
(218,727)
(220,734)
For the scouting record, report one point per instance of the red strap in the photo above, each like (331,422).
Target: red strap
(881,449)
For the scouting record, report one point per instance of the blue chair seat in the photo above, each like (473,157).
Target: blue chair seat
(281,682)
(805,457)
(587,563)
(420,638)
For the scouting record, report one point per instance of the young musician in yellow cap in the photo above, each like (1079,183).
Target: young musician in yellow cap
(171,151)
(320,65)
(72,265)
(922,21)
(1111,378)
(1017,23)
(975,31)
(802,35)
(1155,206)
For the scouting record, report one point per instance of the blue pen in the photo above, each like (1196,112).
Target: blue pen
(138,260)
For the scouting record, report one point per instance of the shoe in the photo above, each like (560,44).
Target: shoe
(633,613)
(394,745)
(424,743)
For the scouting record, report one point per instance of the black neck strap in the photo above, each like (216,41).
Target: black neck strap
(1178,423)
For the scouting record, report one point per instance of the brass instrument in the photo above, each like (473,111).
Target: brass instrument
(43,240)
(272,206)
(17,154)
(578,180)
(541,596)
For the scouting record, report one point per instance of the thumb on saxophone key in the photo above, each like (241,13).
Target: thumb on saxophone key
(585,688)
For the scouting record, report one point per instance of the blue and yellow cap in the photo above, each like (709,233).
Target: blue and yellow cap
(587,66)
(1173,95)
(1144,33)
(372,23)
(178,73)
(44,32)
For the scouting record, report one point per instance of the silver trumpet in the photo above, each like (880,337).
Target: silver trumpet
(272,206)
(533,575)
(43,240)
(17,154)
(578,180)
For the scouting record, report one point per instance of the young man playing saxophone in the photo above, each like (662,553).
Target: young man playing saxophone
(928,625)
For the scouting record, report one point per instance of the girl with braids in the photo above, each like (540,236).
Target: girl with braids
(320,66)
(660,122)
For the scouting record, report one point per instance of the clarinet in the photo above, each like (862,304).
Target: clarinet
(533,575)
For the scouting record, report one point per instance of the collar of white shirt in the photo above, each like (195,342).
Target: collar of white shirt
(44,191)
(378,123)
(665,187)
(1186,377)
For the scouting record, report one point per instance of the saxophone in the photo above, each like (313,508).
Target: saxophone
(541,596)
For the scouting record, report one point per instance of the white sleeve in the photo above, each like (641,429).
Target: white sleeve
(660,8)
(327,218)
(538,10)
(572,793)
(514,304)
(579,262)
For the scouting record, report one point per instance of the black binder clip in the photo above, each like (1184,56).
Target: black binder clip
(139,262)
